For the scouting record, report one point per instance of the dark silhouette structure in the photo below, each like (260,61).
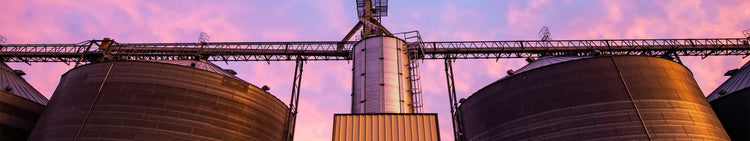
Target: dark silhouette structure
(731,102)
(20,105)
(605,97)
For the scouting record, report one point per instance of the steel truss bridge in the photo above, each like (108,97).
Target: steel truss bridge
(92,50)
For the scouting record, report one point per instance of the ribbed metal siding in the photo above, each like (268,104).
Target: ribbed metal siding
(157,101)
(385,127)
(20,105)
(18,85)
(730,102)
(590,99)
(739,80)
(17,116)
(380,76)
(203,65)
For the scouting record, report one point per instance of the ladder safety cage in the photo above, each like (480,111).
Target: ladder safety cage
(415,52)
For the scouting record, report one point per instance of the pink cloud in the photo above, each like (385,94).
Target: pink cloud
(326,85)
(336,15)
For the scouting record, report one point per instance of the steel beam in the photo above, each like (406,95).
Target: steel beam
(538,48)
(294,99)
(328,50)
(452,98)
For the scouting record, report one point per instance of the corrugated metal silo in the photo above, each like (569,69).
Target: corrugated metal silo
(596,98)
(20,105)
(182,100)
(381,99)
(731,101)
(380,80)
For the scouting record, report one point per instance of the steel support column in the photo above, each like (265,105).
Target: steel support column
(457,132)
(294,100)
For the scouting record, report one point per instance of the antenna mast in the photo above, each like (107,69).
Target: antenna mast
(203,37)
(544,34)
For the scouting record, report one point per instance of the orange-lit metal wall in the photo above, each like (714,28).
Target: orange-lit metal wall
(158,101)
(383,127)
(602,98)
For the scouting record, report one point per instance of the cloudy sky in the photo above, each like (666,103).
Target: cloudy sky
(326,85)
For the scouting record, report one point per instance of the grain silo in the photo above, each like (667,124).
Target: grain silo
(730,102)
(20,105)
(592,98)
(382,102)
(380,78)
(167,100)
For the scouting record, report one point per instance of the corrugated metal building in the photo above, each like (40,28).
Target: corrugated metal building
(171,100)
(592,98)
(731,102)
(20,105)
(385,127)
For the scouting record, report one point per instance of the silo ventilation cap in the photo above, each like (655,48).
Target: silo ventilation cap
(8,89)
(19,72)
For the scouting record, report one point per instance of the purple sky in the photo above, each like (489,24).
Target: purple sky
(327,85)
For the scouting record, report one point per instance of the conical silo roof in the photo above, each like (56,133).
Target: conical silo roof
(202,64)
(740,80)
(549,60)
(11,82)
(544,61)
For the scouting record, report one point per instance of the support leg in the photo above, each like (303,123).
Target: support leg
(294,102)
(452,98)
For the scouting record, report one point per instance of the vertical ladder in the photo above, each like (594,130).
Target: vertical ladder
(416,88)
(416,52)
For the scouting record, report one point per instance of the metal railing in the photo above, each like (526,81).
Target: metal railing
(415,51)
(322,51)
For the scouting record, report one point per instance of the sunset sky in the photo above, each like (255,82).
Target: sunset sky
(326,86)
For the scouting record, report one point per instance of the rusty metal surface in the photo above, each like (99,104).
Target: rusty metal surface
(380,77)
(382,127)
(605,98)
(157,101)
